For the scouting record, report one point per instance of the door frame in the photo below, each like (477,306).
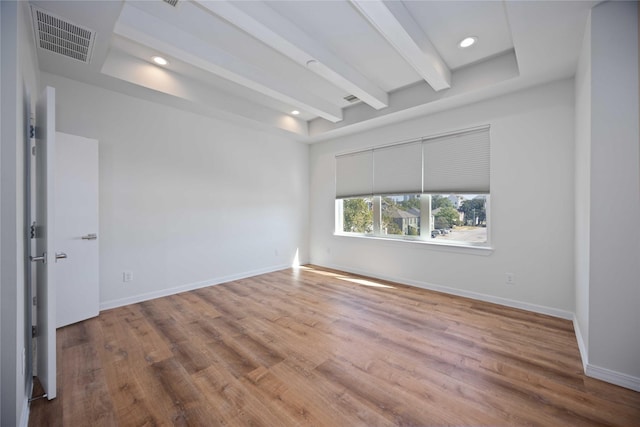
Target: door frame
(45,241)
(29,248)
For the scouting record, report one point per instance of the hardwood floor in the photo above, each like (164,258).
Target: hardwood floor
(324,348)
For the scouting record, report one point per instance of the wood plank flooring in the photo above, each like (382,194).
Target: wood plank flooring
(315,347)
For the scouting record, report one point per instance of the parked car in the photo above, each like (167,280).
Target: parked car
(434,233)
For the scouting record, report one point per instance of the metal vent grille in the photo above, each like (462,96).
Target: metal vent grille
(173,3)
(351,98)
(58,35)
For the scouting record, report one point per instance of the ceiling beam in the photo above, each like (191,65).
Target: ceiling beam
(395,24)
(148,30)
(277,32)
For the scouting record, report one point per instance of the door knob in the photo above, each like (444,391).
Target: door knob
(91,236)
(60,255)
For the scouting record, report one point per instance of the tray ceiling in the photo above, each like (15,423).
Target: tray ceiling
(257,61)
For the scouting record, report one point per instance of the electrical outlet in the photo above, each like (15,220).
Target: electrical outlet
(127,276)
(509,278)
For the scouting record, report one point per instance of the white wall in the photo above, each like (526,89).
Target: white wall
(2,262)
(19,83)
(185,200)
(582,189)
(532,207)
(3,36)
(614,273)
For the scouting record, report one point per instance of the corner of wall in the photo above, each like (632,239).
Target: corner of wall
(613,343)
(581,344)
(613,377)
(582,170)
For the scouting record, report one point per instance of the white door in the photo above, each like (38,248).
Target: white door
(76,217)
(46,257)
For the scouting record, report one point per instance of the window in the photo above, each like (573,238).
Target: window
(433,189)
(446,218)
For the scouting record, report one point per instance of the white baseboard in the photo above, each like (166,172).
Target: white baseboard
(581,344)
(599,373)
(613,377)
(563,314)
(105,305)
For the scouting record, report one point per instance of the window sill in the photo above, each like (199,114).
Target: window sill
(424,244)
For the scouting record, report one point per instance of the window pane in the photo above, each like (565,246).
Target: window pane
(357,215)
(460,218)
(401,215)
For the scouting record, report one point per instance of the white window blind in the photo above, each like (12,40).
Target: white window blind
(397,169)
(354,174)
(457,163)
(453,163)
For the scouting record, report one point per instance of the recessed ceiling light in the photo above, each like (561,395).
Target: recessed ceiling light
(160,60)
(468,41)
(295,112)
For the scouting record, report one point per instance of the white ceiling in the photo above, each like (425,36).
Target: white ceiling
(255,61)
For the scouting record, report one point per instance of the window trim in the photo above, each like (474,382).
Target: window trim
(422,244)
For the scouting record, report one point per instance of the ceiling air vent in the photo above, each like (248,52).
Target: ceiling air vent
(351,98)
(173,3)
(58,35)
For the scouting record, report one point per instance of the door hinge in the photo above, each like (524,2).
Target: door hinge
(34,331)
(35,301)
(32,230)
(33,150)
(32,131)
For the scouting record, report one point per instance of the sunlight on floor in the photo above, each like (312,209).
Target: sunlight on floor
(363,282)
(320,272)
